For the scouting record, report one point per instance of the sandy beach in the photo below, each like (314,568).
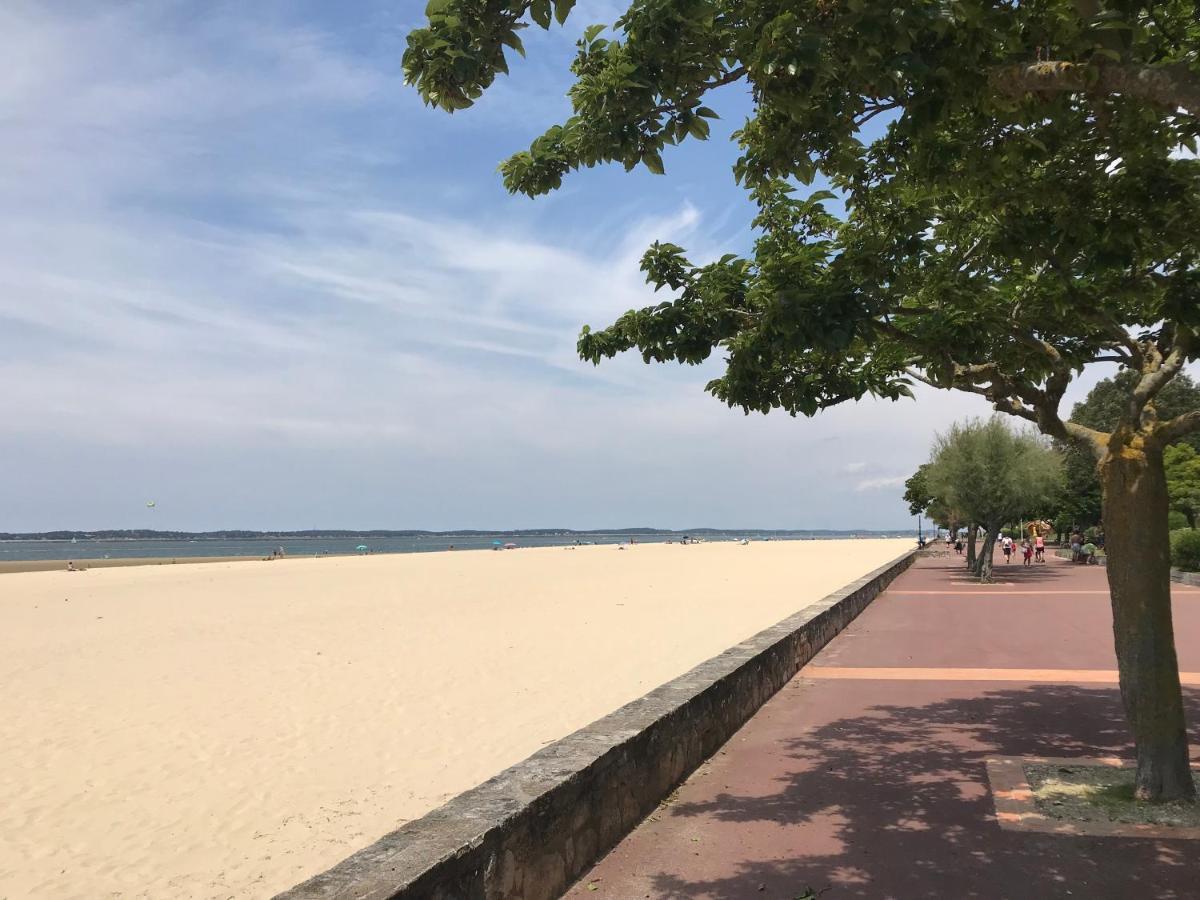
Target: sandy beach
(229,729)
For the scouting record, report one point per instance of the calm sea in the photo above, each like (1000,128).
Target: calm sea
(168,549)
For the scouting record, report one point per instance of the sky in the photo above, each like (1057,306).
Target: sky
(246,274)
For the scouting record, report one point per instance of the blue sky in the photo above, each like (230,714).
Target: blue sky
(245,273)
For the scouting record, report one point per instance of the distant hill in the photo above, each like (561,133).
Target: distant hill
(145,534)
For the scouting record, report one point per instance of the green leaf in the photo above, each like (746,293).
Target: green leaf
(539,10)
(512,40)
(698,128)
(562,9)
(653,161)
(589,33)
(706,112)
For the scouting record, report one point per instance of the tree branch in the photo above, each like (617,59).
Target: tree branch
(1157,372)
(728,78)
(1172,85)
(1179,427)
(874,111)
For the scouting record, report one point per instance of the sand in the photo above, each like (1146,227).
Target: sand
(10,566)
(227,730)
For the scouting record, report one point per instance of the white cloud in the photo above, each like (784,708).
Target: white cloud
(224,283)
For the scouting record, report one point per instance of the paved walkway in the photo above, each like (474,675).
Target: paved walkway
(865,776)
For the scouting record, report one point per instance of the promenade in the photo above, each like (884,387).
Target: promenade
(866,776)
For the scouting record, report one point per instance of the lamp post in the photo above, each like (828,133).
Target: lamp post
(920,535)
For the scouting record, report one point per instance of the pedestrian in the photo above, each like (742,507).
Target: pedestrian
(1006,544)
(958,548)
(1076,545)
(1088,552)
(1027,552)
(1039,548)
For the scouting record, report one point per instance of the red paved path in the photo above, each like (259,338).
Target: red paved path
(876,788)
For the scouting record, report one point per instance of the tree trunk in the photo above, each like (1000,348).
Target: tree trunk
(1139,576)
(971,546)
(984,567)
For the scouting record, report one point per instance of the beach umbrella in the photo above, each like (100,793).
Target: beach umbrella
(361,547)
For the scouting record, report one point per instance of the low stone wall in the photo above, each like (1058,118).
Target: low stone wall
(533,829)
(1179,575)
(1066,554)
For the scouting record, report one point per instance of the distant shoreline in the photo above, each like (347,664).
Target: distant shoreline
(153,535)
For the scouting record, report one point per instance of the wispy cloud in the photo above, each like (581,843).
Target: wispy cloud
(243,271)
(876,484)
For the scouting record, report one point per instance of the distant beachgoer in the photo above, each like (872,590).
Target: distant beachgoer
(1027,553)
(451,546)
(958,546)
(71,567)
(1088,553)
(1006,544)
(1039,548)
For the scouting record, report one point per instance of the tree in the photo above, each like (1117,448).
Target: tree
(918,496)
(916,491)
(1182,464)
(994,475)
(1101,410)
(1025,213)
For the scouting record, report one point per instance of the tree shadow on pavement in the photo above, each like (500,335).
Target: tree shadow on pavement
(895,803)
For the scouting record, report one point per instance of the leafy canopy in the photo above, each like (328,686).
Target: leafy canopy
(1025,213)
(920,500)
(993,473)
(1101,410)
(1183,481)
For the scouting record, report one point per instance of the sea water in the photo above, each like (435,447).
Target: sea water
(88,548)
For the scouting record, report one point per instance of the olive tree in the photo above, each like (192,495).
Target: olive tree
(994,474)
(1027,211)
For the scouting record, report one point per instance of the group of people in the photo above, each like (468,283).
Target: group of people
(1083,550)
(1032,549)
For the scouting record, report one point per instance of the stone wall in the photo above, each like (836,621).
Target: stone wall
(533,829)
(1179,575)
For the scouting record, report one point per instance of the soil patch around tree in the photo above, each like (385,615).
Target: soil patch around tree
(1082,797)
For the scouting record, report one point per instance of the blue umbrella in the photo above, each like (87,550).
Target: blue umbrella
(361,547)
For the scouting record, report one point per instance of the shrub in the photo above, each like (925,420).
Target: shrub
(1185,549)
(1176,520)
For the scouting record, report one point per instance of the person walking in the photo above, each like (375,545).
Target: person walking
(1039,548)
(1006,544)
(1027,553)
